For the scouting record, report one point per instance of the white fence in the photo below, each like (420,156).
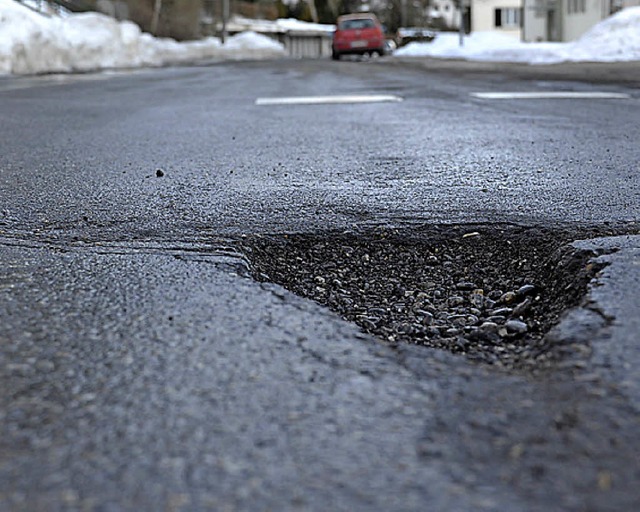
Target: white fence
(306,45)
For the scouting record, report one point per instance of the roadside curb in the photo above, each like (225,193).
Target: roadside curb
(608,321)
(593,72)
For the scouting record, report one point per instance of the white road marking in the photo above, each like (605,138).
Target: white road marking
(549,95)
(325,100)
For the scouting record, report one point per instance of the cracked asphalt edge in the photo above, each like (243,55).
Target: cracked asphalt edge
(607,323)
(605,326)
(370,367)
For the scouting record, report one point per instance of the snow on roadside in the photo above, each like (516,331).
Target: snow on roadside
(34,43)
(280,25)
(616,38)
(31,43)
(483,46)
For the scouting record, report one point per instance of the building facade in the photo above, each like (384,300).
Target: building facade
(566,20)
(504,16)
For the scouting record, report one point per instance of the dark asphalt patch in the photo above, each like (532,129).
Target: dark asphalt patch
(490,293)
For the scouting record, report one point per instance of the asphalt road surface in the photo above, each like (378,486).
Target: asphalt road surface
(143,368)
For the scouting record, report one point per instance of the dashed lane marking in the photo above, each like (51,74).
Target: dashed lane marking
(326,100)
(550,95)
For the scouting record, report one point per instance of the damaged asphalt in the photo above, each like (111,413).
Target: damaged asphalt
(146,365)
(607,322)
(194,385)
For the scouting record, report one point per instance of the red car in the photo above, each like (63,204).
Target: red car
(358,34)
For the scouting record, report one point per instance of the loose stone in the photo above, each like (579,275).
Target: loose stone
(525,290)
(508,298)
(456,300)
(369,323)
(489,327)
(432,332)
(516,327)
(484,337)
(462,343)
(522,308)
(458,320)
(477,299)
(489,303)
(495,294)
(425,317)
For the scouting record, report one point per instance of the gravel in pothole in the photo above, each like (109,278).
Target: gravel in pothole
(490,293)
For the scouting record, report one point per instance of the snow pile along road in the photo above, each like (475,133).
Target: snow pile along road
(616,38)
(31,43)
(281,24)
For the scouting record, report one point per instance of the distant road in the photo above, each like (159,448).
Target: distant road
(231,165)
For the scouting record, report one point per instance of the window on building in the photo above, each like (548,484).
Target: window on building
(507,17)
(576,6)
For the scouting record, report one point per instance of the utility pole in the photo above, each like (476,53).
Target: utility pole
(157,7)
(461,24)
(225,19)
(403,13)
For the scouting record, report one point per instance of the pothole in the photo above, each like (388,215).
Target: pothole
(490,293)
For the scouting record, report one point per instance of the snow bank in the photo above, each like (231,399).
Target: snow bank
(31,42)
(279,25)
(34,43)
(616,38)
(303,26)
(255,44)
